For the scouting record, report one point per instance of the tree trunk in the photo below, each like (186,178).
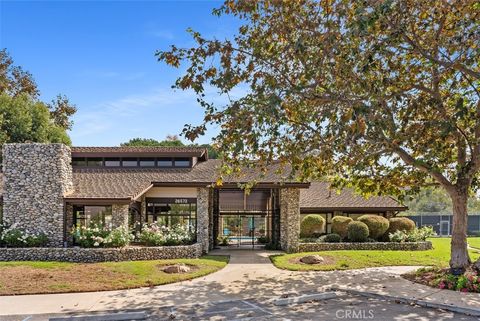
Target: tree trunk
(459,258)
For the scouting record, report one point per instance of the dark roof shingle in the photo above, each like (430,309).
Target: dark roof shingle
(319,195)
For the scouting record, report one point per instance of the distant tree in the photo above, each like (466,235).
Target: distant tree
(23,120)
(435,199)
(61,111)
(380,95)
(14,81)
(169,141)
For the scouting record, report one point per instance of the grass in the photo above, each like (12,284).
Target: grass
(345,260)
(474,242)
(60,277)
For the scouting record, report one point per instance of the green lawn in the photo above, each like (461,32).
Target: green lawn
(57,277)
(474,242)
(345,260)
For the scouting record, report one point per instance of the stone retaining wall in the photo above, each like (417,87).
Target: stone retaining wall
(90,255)
(381,246)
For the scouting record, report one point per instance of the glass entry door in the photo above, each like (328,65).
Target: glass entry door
(243,229)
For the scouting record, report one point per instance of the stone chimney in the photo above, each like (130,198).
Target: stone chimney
(36,178)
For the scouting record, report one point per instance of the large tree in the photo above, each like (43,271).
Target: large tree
(16,82)
(380,95)
(23,119)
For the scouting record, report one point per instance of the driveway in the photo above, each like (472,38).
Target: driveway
(249,275)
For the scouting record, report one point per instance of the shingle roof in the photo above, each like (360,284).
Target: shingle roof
(128,183)
(319,195)
(140,150)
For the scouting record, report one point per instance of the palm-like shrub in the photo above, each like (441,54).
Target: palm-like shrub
(312,225)
(377,225)
(339,225)
(357,231)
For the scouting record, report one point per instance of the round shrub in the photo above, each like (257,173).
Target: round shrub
(400,224)
(377,225)
(312,225)
(339,225)
(357,231)
(333,238)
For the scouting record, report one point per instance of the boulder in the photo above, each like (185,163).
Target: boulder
(176,268)
(312,259)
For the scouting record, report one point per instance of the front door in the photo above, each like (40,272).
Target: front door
(444,228)
(243,229)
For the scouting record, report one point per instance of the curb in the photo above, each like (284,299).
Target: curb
(420,302)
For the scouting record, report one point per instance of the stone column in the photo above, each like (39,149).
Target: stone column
(36,179)
(69,223)
(289,219)
(203,215)
(120,215)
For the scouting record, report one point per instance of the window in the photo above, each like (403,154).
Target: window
(147,162)
(164,162)
(94,162)
(172,212)
(129,162)
(112,162)
(85,215)
(182,162)
(79,161)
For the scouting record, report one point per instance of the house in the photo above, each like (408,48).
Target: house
(50,188)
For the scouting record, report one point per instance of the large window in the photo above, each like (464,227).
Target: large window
(85,215)
(132,161)
(172,211)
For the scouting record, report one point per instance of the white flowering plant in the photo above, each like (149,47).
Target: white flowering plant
(156,235)
(97,235)
(12,236)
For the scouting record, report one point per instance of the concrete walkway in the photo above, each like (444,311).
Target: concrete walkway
(248,275)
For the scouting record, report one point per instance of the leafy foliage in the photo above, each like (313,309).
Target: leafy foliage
(339,225)
(23,119)
(312,225)
(170,141)
(332,238)
(11,236)
(379,95)
(377,225)
(357,231)
(415,235)
(400,224)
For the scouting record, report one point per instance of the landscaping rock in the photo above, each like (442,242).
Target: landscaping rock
(312,259)
(176,268)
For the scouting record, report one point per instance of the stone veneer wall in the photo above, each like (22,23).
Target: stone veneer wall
(90,255)
(119,215)
(36,178)
(381,246)
(203,214)
(289,219)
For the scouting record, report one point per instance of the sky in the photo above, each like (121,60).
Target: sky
(100,54)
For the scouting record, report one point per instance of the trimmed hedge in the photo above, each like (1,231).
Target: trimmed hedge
(400,224)
(312,225)
(377,225)
(333,238)
(339,225)
(357,231)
